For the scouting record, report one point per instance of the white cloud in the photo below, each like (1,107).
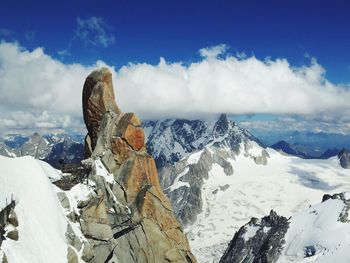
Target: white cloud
(214,51)
(232,85)
(33,83)
(37,91)
(94,31)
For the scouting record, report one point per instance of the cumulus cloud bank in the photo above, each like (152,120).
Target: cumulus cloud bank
(48,92)
(232,85)
(39,92)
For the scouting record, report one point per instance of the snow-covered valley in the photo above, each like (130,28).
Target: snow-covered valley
(285,184)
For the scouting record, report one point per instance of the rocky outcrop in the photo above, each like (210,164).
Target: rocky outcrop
(183,182)
(130,219)
(317,234)
(98,98)
(258,241)
(262,159)
(8,227)
(344,158)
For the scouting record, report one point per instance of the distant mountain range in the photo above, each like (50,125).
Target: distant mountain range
(170,140)
(298,150)
(310,144)
(52,148)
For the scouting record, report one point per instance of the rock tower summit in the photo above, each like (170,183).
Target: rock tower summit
(142,226)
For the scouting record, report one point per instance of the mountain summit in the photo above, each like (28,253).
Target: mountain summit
(171,140)
(141,226)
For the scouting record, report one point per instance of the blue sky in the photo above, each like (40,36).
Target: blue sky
(143,31)
(269,64)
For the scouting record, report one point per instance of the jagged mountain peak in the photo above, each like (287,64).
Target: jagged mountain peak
(171,140)
(221,126)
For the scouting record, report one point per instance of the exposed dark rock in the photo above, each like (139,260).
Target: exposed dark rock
(344,158)
(344,215)
(309,251)
(72,256)
(72,238)
(259,241)
(228,170)
(52,148)
(221,126)
(13,234)
(329,153)
(288,149)
(12,219)
(64,200)
(262,159)
(188,198)
(88,252)
(4,259)
(66,151)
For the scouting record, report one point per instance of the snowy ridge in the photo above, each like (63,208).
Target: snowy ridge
(48,228)
(318,234)
(40,215)
(285,184)
(171,140)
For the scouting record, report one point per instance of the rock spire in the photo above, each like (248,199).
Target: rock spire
(130,219)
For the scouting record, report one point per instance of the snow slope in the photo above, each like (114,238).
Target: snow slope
(286,184)
(319,234)
(42,223)
(319,230)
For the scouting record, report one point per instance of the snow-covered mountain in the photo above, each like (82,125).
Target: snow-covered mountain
(317,234)
(217,176)
(170,140)
(48,147)
(214,198)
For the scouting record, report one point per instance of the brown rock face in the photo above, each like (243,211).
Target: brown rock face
(140,225)
(98,98)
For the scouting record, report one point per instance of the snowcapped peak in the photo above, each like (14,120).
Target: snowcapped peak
(221,126)
(171,140)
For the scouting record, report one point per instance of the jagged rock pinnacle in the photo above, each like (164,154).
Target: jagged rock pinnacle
(98,98)
(143,227)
